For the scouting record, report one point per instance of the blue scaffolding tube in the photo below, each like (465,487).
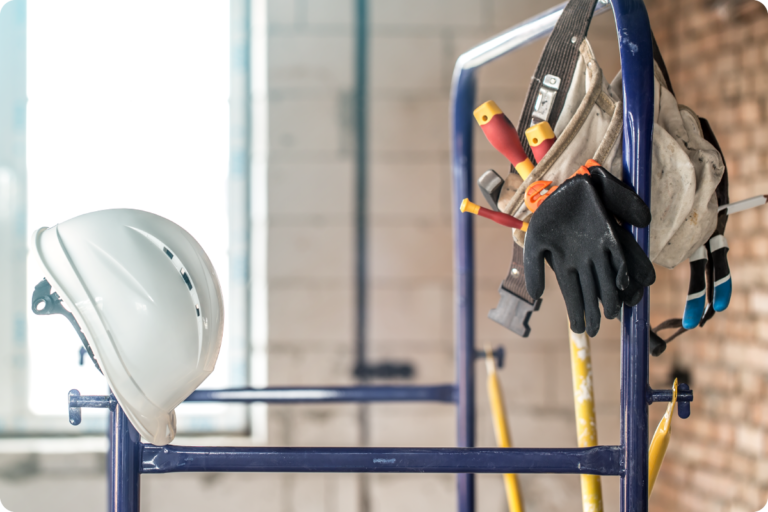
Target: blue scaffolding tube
(129,457)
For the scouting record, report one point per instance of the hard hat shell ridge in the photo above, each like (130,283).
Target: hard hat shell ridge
(148,300)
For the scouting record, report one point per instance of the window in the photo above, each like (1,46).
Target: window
(128,107)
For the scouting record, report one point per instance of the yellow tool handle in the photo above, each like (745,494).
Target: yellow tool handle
(660,441)
(586,424)
(501,431)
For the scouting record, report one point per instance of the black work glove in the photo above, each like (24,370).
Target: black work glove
(593,257)
(620,200)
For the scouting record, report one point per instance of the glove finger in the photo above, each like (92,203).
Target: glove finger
(616,257)
(589,294)
(619,198)
(697,287)
(718,247)
(609,294)
(534,272)
(632,294)
(639,267)
(574,304)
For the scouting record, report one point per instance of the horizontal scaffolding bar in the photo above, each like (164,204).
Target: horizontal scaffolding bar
(599,460)
(440,393)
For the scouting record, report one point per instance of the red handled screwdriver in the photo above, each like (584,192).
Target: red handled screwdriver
(498,217)
(541,138)
(501,133)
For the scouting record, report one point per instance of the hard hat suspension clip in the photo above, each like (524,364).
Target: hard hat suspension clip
(45,302)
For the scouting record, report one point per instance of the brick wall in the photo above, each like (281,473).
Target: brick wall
(718,458)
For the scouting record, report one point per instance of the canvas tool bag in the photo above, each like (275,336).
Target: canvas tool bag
(570,91)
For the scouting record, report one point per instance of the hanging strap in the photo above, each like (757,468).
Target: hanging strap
(559,59)
(659,344)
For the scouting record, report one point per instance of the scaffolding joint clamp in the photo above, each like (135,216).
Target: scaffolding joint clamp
(684,398)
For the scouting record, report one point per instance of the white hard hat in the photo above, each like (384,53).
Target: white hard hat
(149,303)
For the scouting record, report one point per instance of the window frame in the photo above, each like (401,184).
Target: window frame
(247,227)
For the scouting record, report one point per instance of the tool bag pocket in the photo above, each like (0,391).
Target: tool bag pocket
(686,168)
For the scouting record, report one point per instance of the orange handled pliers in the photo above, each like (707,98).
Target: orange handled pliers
(537,191)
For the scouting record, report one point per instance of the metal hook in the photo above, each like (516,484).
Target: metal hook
(76,402)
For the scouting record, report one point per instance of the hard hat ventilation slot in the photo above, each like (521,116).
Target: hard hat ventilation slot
(186,278)
(176,262)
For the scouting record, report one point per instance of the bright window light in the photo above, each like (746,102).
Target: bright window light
(128,108)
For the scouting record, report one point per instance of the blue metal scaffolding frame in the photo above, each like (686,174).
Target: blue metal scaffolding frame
(129,457)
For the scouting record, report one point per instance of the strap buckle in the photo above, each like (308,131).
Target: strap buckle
(545,99)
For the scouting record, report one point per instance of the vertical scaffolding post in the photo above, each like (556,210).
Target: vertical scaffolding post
(634,33)
(464,280)
(124,463)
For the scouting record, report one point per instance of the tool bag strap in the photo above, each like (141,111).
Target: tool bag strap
(558,60)
(659,344)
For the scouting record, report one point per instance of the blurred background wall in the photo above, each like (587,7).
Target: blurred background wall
(311,256)
(717,56)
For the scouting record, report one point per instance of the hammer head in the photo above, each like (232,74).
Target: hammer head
(490,184)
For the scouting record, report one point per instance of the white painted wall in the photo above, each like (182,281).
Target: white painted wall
(414,45)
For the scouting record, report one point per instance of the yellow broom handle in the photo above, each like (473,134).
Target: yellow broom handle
(500,429)
(586,426)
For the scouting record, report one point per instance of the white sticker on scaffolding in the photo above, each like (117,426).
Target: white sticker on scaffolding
(2,507)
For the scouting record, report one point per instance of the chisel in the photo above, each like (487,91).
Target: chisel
(502,135)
